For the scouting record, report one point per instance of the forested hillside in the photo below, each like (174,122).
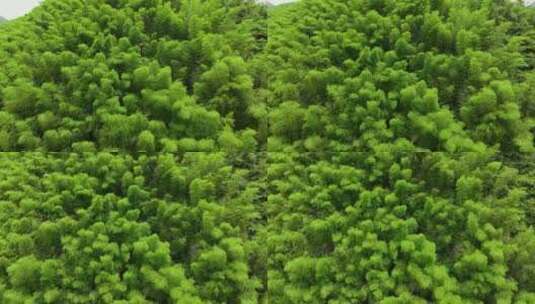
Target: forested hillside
(220,152)
(130,75)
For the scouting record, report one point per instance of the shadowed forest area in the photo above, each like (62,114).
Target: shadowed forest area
(229,152)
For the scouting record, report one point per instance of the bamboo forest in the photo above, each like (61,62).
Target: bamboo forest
(242,152)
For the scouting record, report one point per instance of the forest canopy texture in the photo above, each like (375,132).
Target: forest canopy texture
(227,152)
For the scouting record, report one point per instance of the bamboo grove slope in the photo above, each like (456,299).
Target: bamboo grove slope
(401,151)
(130,76)
(221,151)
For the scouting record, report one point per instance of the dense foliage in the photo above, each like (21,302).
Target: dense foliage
(401,152)
(322,152)
(130,75)
(105,228)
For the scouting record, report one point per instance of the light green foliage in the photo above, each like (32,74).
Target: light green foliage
(224,152)
(106,71)
(97,228)
(400,137)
